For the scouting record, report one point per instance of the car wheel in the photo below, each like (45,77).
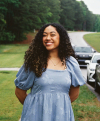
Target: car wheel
(96,86)
(88,80)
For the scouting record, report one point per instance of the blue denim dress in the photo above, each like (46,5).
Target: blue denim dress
(49,97)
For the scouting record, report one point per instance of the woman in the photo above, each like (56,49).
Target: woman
(52,73)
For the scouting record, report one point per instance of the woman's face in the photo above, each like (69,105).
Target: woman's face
(51,38)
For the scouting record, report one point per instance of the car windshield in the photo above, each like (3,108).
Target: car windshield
(96,57)
(83,49)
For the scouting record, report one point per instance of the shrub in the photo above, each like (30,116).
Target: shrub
(6,37)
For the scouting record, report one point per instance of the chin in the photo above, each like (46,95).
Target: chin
(51,49)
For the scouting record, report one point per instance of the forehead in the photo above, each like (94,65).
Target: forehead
(49,29)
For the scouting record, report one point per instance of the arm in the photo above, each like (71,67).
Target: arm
(74,93)
(21,94)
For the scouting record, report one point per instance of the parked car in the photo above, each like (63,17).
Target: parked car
(91,65)
(83,53)
(97,76)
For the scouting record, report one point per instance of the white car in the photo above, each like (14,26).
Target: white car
(91,65)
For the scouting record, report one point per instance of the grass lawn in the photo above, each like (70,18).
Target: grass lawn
(86,107)
(12,55)
(10,108)
(93,39)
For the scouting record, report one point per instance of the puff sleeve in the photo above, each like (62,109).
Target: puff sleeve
(75,72)
(24,79)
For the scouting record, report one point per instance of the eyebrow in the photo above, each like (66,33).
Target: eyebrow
(50,32)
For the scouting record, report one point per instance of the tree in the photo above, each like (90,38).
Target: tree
(78,16)
(67,15)
(97,23)
(5,35)
(90,19)
(2,22)
(23,16)
(55,10)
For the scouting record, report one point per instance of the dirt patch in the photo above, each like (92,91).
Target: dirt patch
(28,41)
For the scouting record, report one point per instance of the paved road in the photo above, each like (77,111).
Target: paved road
(9,69)
(77,38)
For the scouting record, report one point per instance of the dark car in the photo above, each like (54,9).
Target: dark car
(97,77)
(83,53)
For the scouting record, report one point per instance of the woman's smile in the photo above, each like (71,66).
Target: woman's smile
(49,43)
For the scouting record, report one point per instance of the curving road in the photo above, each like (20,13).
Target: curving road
(76,38)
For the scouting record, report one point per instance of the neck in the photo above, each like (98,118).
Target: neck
(53,54)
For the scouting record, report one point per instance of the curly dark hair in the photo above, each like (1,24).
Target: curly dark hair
(36,56)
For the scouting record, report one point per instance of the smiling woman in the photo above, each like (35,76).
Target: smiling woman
(52,73)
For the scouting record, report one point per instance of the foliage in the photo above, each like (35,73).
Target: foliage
(90,20)
(18,17)
(67,14)
(6,37)
(78,17)
(2,22)
(55,10)
(97,23)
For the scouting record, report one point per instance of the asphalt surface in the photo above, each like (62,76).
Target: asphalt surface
(77,38)
(9,69)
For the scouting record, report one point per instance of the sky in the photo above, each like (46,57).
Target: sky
(92,5)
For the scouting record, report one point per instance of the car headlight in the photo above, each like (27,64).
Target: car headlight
(90,55)
(92,69)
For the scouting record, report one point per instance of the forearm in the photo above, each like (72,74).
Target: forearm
(74,93)
(20,94)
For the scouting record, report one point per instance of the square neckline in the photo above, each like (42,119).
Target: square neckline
(55,69)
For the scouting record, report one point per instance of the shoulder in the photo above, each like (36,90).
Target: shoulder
(75,72)
(72,61)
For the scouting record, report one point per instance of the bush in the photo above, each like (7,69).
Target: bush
(6,37)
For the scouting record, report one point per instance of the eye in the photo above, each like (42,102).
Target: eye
(52,35)
(44,35)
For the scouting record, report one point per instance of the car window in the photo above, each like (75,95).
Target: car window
(83,49)
(96,57)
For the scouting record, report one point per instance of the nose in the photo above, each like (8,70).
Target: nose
(48,37)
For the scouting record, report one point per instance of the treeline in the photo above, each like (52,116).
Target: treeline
(18,17)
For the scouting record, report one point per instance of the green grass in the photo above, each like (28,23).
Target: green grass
(10,108)
(12,55)
(11,60)
(86,107)
(93,39)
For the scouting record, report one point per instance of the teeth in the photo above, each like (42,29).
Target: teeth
(48,43)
